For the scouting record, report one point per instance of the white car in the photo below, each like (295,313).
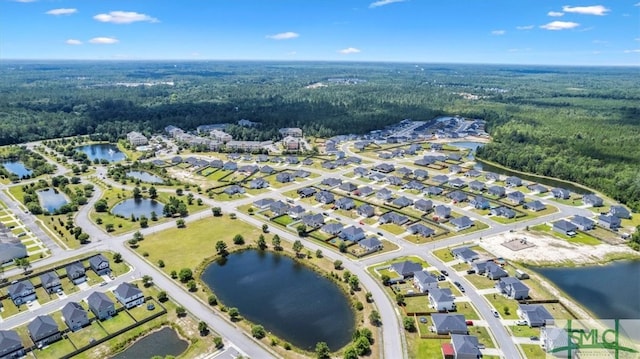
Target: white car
(522,322)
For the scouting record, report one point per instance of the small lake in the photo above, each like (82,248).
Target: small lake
(17,168)
(138,207)
(467,145)
(102,151)
(610,291)
(145,176)
(51,199)
(287,298)
(163,342)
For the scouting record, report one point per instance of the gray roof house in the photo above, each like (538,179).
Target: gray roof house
(101,306)
(561,193)
(279,208)
(620,212)
(233,189)
(393,217)
(263,203)
(535,206)
(424,282)
(537,188)
(313,220)
(301,174)
(325,197)
(513,181)
(331,182)
(10,344)
(494,271)
(406,268)
(332,228)
(465,254)
(363,191)
(402,202)
(472,173)
(348,187)
(440,179)
(516,197)
(491,176)
(266,169)
(479,202)
(413,184)
(441,299)
(609,221)
(503,211)
(465,346)
(99,264)
(394,180)
(457,183)
(497,191)
(22,292)
(565,227)
(535,315)
(361,171)
(421,174)
(583,223)
(421,230)
(129,295)
(442,211)
(11,248)
(75,316)
(345,203)
(476,185)
(351,233)
(43,330)
(370,244)
(512,288)
(556,341)
(462,223)
(480,267)
(296,211)
(449,323)
(384,168)
(306,192)
(50,282)
(384,194)
(593,200)
(457,196)
(433,191)
(424,205)
(284,177)
(366,210)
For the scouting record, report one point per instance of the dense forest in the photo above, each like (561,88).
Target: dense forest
(575,123)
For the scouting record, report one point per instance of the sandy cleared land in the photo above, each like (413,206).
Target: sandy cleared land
(548,249)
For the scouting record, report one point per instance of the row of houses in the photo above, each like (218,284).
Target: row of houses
(10,246)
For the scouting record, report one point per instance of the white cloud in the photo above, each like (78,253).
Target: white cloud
(634,51)
(284,36)
(383,3)
(349,50)
(525,27)
(103,40)
(587,10)
(637,39)
(555,13)
(57,12)
(560,25)
(636,4)
(25,1)
(498,32)
(124,17)
(73,42)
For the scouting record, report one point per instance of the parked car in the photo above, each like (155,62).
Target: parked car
(380,234)
(471,271)
(444,272)
(461,289)
(469,322)
(495,313)
(457,284)
(534,338)
(441,278)
(521,322)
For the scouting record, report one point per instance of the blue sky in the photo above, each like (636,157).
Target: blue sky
(464,31)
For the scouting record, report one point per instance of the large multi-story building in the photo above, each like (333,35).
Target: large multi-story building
(137,139)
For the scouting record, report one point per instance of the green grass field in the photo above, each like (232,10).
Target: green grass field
(483,335)
(444,254)
(480,281)
(499,303)
(533,351)
(524,331)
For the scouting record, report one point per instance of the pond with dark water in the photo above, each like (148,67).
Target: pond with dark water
(163,342)
(102,151)
(286,297)
(138,207)
(51,199)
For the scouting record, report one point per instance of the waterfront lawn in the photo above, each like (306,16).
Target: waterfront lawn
(85,335)
(55,350)
(499,302)
(467,309)
(444,254)
(117,322)
(558,311)
(480,281)
(533,351)
(483,335)
(524,331)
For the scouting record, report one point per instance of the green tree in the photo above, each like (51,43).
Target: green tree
(117,257)
(147,280)
(160,263)
(408,324)
(221,248)
(301,229)
(342,247)
(153,193)
(322,351)
(217,211)
(138,236)
(218,343)
(181,312)
(400,299)
(258,331)
(350,352)
(261,242)
(185,275)
(137,193)
(180,223)
(212,300)
(337,264)
(319,253)
(203,328)
(368,297)
(297,247)
(101,205)
(144,222)
(385,279)
(191,285)
(276,243)
(234,314)
(374,318)
(265,228)
(238,239)
(162,296)
(354,283)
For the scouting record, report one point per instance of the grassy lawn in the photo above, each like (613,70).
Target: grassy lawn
(558,311)
(549,210)
(478,226)
(533,351)
(283,220)
(392,228)
(418,304)
(140,312)
(86,334)
(444,254)
(504,220)
(424,348)
(499,303)
(121,320)
(43,296)
(467,309)
(579,238)
(454,290)
(9,309)
(480,281)
(461,266)
(483,335)
(524,331)
(55,350)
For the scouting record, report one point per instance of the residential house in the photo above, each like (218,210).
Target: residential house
(461,223)
(279,208)
(435,146)
(457,183)
(424,282)
(325,197)
(406,269)
(10,345)
(306,192)
(76,273)
(465,254)
(442,211)
(503,211)
(404,171)
(433,191)
(449,323)
(267,170)
(476,185)
(479,202)
(384,194)
(352,234)
(423,205)
(473,173)
(497,191)
(457,196)
(75,316)
(620,212)
(230,166)
(366,210)
(558,342)
(465,346)
(393,217)
(10,247)
(43,330)
(296,211)
(332,228)
(363,191)
(263,203)
(129,295)
(50,282)
(513,181)
(402,202)
(480,267)
(593,200)
(329,165)
(371,244)
(494,271)
(301,174)
(100,264)
(537,188)
(313,220)
(421,230)
(441,299)
(454,157)
(348,187)
(248,169)
(137,139)
(384,168)
(233,189)
(561,193)
(284,177)
(331,182)
(440,179)
(610,222)
(490,176)
(262,159)
(101,306)
(22,292)
(583,223)
(220,136)
(290,131)
(536,315)
(421,174)
(291,143)
(535,206)
(216,164)
(258,183)
(516,197)
(512,288)
(565,227)
(415,185)
(394,180)
(361,171)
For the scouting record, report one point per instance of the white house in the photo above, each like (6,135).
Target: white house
(129,295)
(441,299)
